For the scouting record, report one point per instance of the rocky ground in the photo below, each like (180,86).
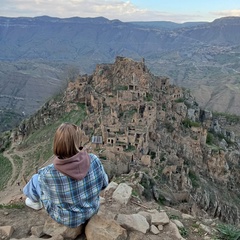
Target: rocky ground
(123,215)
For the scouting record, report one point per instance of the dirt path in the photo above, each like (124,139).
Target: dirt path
(14,171)
(13,191)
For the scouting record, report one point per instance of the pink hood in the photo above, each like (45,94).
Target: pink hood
(75,167)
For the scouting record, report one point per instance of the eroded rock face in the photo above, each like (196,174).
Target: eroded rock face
(216,206)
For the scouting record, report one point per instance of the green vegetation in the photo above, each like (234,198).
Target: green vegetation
(164,107)
(231,118)
(221,136)
(174,217)
(228,232)
(148,98)
(136,175)
(46,133)
(169,127)
(130,148)
(188,123)
(18,162)
(194,179)
(148,184)
(130,113)
(12,206)
(152,154)
(183,231)
(5,141)
(43,137)
(5,171)
(214,138)
(9,119)
(210,138)
(163,157)
(179,100)
(121,87)
(135,193)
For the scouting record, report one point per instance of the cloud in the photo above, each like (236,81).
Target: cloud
(227,13)
(111,9)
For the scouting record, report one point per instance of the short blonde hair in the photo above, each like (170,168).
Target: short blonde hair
(67,140)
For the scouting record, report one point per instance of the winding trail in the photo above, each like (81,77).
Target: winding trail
(17,181)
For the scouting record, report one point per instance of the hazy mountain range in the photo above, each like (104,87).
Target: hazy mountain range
(39,54)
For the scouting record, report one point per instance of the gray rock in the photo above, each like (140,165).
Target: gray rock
(122,194)
(135,222)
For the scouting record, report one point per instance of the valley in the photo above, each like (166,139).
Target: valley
(39,55)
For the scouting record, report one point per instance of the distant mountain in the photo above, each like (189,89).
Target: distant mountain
(38,56)
(166,25)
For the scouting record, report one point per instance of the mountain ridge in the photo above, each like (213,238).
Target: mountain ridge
(197,57)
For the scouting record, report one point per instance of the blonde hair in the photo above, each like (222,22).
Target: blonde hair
(67,140)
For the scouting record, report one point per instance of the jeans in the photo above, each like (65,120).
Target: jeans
(32,189)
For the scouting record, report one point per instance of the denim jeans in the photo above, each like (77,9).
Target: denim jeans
(32,189)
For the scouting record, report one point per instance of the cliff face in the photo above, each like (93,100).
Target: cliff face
(141,121)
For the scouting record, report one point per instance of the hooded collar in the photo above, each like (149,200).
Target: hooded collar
(75,167)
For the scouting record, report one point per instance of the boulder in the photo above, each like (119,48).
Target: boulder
(101,228)
(135,222)
(54,229)
(6,232)
(157,218)
(122,194)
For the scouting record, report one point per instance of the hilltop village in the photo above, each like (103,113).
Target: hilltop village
(125,103)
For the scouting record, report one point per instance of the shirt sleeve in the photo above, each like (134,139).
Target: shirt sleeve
(102,171)
(105,178)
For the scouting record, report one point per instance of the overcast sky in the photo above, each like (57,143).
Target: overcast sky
(134,10)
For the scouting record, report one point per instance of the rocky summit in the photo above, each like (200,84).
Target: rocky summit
(174,167)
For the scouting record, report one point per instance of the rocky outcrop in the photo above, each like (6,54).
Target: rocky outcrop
(115,221)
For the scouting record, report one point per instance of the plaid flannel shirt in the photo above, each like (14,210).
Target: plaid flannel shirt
(68,201)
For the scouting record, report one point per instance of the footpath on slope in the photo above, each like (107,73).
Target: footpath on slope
(13,190)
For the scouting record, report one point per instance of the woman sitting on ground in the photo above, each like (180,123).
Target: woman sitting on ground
(69,188)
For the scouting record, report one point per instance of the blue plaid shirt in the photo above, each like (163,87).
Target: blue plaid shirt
(68,201)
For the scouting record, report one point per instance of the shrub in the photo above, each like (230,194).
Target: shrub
(130,148)
(121,87)
(210,138)
(228,232)
(183,231)
(232,118)
(148,97)
(194,179)
(188,123)
(12,206)
(179,100)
